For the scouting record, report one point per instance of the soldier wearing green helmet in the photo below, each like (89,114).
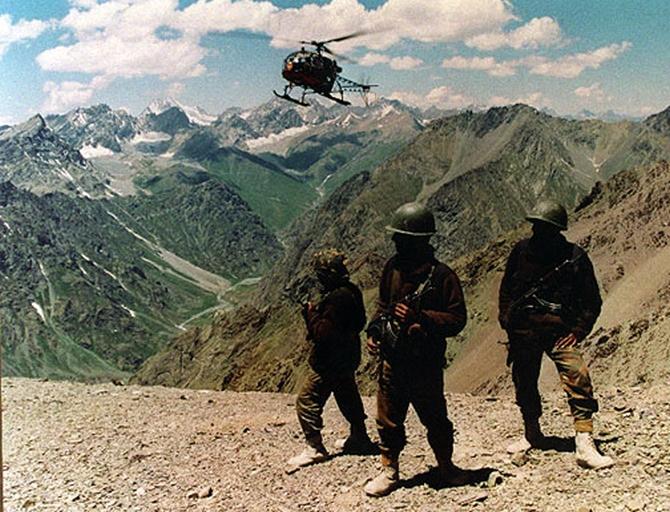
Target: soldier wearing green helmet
(548,302)
(420,304)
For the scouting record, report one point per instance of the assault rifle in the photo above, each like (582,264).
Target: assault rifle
(387,329)
(532,303)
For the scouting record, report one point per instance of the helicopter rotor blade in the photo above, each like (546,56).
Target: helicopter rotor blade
(348,36)
(339,56)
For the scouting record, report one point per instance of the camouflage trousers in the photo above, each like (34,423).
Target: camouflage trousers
(525,356)
(423,388)
(314,394)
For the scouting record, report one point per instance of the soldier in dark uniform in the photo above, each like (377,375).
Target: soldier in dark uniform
(421,299)
(549,301)
(333,331)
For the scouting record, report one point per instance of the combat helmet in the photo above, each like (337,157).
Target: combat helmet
(331,262)
(412,219)
(551,212)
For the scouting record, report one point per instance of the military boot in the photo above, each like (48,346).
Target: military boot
(358,442)
(315,452)
(587,454)
(532,438)
(387,481)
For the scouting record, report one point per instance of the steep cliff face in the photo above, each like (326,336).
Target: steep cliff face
(480,173)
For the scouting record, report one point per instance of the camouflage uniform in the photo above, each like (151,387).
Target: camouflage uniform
(534,332)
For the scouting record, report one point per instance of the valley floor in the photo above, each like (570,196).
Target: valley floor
(78,447)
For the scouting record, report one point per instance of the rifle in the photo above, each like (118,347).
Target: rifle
(530,295)
(387,329)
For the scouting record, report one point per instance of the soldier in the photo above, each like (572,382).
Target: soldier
(333,327)
(421,301)
(549,301)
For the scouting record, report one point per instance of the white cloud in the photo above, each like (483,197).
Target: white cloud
(118,37)
(114,56)
(570,66)
(397,63)
(175,89)
(22,30)
(443,96)
(401,63)
(68,94)
(372,59)
(594,92)
(488,64)
(84,4)
(7,120)
(534,99)
(537,32)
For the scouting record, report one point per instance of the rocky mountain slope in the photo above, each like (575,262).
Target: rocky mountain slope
(479,172)
(34,157)
(76,447)
(94,129)
(92,288)
(624,226)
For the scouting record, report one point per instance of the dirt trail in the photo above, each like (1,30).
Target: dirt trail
(76,447)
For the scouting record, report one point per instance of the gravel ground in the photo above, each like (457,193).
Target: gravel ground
(77,447)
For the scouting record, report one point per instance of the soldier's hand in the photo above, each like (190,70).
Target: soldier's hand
(373,346)
(568,341)
(404,313)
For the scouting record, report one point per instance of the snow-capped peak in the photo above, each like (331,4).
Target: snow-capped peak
(195,115)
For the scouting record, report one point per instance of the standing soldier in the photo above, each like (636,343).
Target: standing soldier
(549,301)
(333,328)
(420,304)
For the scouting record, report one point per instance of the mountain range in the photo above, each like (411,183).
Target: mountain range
(118,232)
(479,172)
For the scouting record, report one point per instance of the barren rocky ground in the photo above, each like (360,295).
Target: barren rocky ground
(77,447)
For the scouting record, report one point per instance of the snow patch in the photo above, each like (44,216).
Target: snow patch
(84,193)
(195,115)
(130,311)
(39,310)
(150,137)
(136,235)
(275,137)
(89,151)
(387,110)
(66,174)
(4,223)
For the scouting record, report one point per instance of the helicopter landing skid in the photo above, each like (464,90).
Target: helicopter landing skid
(336,100)
(286,97)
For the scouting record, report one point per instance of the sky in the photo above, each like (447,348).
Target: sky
(566,55)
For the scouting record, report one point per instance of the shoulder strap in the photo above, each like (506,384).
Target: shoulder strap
(425,282)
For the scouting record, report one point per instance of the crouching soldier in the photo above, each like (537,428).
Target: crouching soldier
(549,301)
(420,304)
(333,330)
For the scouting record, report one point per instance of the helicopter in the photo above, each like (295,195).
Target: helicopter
(315,73)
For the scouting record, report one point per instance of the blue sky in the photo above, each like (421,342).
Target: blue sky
(567,55)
